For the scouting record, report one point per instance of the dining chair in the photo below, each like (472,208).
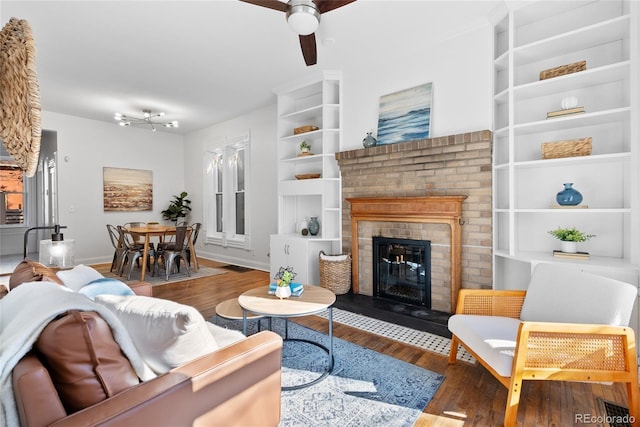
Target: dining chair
(171,256)
(118,249)
(133,252)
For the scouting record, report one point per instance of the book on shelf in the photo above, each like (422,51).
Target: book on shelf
(567,112)
(571,255)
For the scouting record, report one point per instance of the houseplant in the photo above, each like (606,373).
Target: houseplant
(305,147)
(283,280)
(178,208)
(570,237)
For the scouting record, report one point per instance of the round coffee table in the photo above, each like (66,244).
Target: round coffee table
(231,310)
(313,300)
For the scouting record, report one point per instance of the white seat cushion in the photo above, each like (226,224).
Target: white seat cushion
(492,338)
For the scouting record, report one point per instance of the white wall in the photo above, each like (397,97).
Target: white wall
(84,148)
(263,207)
(460,69)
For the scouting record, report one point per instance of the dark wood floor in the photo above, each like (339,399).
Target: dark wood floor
(469,395)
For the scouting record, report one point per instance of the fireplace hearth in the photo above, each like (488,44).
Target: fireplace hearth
(402,270)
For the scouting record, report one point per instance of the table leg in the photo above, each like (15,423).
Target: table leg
(145,255)
(330,338)
(194,258)
(244,322)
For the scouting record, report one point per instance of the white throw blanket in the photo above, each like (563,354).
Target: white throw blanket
(25,312)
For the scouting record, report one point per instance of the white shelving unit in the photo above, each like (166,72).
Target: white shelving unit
(543,35)
(317,102)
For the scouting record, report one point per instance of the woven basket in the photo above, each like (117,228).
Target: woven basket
(304,129)
(563,69)
(335,272)
(567,148)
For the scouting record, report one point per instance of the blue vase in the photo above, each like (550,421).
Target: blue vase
(369,141)
(569,196)
(314,226)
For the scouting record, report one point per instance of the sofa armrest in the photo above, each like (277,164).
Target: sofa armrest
(235,385)
(142,288)
(487,302)
(36,397)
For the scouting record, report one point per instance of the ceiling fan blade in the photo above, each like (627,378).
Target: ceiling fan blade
(270,4)
(309,51)
(325,6)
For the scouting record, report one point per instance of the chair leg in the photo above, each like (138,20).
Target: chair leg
(114,261)
(186,265)
(634,400)
(135,260)
(513,400)
(453,351)
(123,261)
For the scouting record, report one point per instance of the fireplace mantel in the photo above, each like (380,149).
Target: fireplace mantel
(427,209)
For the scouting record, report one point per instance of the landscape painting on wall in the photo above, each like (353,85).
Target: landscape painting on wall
(127,189)
(405,115)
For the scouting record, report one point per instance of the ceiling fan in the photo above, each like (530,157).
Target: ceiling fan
(303,17)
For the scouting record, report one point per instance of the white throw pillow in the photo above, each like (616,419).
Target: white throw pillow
(224,336)
(78,277)
(166,334)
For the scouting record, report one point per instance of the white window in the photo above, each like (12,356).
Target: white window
(227,166)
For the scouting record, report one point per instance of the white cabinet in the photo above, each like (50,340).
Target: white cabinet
(309,185)
(301,254)
(528,40)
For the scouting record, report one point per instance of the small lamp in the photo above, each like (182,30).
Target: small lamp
(55,252)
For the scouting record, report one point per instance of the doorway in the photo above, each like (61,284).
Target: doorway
(39,207)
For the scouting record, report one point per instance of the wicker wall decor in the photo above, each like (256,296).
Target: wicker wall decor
(20,95)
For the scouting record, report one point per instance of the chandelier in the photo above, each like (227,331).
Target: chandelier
(147,119)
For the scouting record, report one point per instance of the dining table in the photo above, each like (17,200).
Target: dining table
(159,231)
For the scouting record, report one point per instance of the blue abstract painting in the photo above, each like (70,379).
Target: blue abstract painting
(405,115)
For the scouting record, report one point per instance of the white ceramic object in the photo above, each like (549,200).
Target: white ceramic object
(283,291)
(569,247)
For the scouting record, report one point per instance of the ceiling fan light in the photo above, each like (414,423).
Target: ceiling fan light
(303,18)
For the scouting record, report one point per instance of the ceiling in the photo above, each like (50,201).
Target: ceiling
(204,62)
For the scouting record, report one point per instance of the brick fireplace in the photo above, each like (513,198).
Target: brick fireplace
(454,165)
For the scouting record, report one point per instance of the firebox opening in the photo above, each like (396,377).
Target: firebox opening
(402,270)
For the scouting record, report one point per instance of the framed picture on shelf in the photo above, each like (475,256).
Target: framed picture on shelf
(405,115)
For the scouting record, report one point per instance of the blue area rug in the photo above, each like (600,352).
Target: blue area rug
(366,388)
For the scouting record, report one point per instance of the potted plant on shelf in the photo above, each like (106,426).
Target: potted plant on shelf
(569,238)
(305,148)
(178,208)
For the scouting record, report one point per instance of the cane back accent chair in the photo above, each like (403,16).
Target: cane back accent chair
(568,326)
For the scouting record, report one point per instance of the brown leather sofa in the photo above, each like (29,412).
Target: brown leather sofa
(237,385)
